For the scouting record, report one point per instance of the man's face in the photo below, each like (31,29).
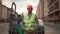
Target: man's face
(29,10)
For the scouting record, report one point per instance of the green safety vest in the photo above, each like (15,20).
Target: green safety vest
(29,23)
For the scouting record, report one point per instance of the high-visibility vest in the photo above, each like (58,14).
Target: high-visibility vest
(29,23)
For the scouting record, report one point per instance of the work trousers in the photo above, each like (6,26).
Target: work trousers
(33,32)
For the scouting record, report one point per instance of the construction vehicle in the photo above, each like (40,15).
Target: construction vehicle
(15,28)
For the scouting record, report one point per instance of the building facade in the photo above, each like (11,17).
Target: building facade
(39,11)
(42,10)
(5,13)
(49,10)
(54,10)
(0,7)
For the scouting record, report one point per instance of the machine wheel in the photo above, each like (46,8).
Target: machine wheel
(12,32)
(41,32)
(9,32)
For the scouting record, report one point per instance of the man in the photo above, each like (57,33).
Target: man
(29,20)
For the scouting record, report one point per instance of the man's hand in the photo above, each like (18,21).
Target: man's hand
(35,29)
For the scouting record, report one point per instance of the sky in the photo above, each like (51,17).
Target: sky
(21,5)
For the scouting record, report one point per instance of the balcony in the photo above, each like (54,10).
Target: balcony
(56,5)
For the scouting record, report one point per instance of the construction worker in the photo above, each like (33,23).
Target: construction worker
(29,21)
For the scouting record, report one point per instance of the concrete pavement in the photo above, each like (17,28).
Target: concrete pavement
(51,30)
(4,27)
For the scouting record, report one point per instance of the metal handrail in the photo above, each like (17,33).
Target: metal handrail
(14,5)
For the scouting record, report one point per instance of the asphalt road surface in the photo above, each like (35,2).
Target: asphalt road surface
(4,27)
(51,30)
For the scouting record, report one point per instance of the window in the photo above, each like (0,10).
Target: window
(56,5)
(54,0)
(56,13)
(51,15)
